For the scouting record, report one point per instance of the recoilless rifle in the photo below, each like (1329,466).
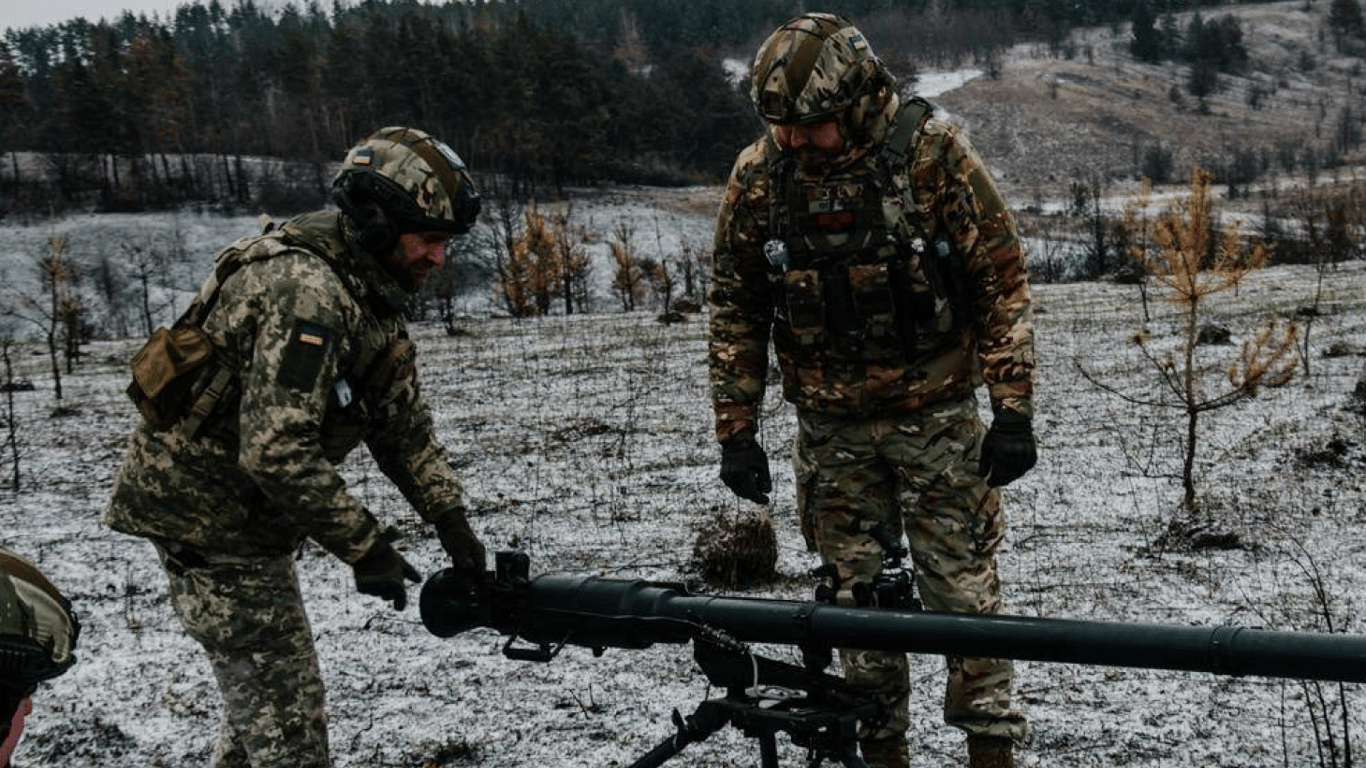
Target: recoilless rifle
(818,710)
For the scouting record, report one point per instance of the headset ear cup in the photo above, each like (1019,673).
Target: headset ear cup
(357,196)
(376,232)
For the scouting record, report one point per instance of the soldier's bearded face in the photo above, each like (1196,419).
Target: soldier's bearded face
(815,144)
(415,255)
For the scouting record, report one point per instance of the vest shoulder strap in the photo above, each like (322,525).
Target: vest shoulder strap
(897,150)
(896,154)
(226,262)
(942,267)
(273,240)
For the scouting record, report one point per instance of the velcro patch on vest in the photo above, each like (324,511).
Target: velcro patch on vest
(835,222)
(304,355)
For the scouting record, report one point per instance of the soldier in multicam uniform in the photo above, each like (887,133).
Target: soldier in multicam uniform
(311,356)
(867,240)
(38,633)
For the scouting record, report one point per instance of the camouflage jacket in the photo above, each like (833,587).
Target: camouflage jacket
(989,339)
(312,327)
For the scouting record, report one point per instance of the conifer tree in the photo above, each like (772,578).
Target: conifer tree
(628,279)
(573,260)
(13,101)
(1146,44)
(1346,20)
(1189,264)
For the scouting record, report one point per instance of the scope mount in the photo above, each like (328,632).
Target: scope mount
(892,587)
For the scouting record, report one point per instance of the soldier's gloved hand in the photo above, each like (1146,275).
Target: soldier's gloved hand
(744,468)
(459,541)
(382,570)
(1008,450)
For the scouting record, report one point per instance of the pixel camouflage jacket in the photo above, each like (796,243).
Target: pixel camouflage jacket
(314,329)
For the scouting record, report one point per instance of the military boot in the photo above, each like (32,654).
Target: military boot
(990,752)
(885,753)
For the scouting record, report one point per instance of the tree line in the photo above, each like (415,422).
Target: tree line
(237,105)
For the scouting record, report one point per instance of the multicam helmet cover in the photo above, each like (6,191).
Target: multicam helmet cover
(812,68)
(421,183)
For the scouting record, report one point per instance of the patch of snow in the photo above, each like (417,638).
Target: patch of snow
(932,83)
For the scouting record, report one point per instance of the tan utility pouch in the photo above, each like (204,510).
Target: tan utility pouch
(164,373)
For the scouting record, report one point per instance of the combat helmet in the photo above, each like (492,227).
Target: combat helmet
(38,630)
(400,180)
(813,68)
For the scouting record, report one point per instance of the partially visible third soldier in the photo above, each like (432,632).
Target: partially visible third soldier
(38,634)
(865,238)
(293,353)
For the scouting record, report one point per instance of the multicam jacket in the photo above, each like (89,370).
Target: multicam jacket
(312,328)
(851,356)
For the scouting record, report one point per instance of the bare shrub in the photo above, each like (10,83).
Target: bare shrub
(736,551)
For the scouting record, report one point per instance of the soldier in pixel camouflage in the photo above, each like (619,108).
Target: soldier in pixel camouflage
(38,633)
(306,355)
(865,238)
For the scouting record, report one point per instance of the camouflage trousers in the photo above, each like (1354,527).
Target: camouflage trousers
(917,474)
(248,614)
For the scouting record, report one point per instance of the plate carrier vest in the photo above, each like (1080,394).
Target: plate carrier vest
(856,279)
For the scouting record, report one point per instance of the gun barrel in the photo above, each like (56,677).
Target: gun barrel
(598,612)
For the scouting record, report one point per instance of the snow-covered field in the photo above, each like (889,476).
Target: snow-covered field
(585,441)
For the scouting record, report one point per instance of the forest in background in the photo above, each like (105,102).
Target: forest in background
(240,106)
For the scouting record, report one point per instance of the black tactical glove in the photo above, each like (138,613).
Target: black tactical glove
(459,541)
(381,571)
(1008,450)
(744,468)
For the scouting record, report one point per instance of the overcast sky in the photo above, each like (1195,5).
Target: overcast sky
(33,13)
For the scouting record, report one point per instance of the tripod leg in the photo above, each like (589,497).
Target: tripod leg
(706,720)
(656,757)
(851,758)
(768,750)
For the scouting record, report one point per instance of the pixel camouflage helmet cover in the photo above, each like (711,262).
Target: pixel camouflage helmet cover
(404,180)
